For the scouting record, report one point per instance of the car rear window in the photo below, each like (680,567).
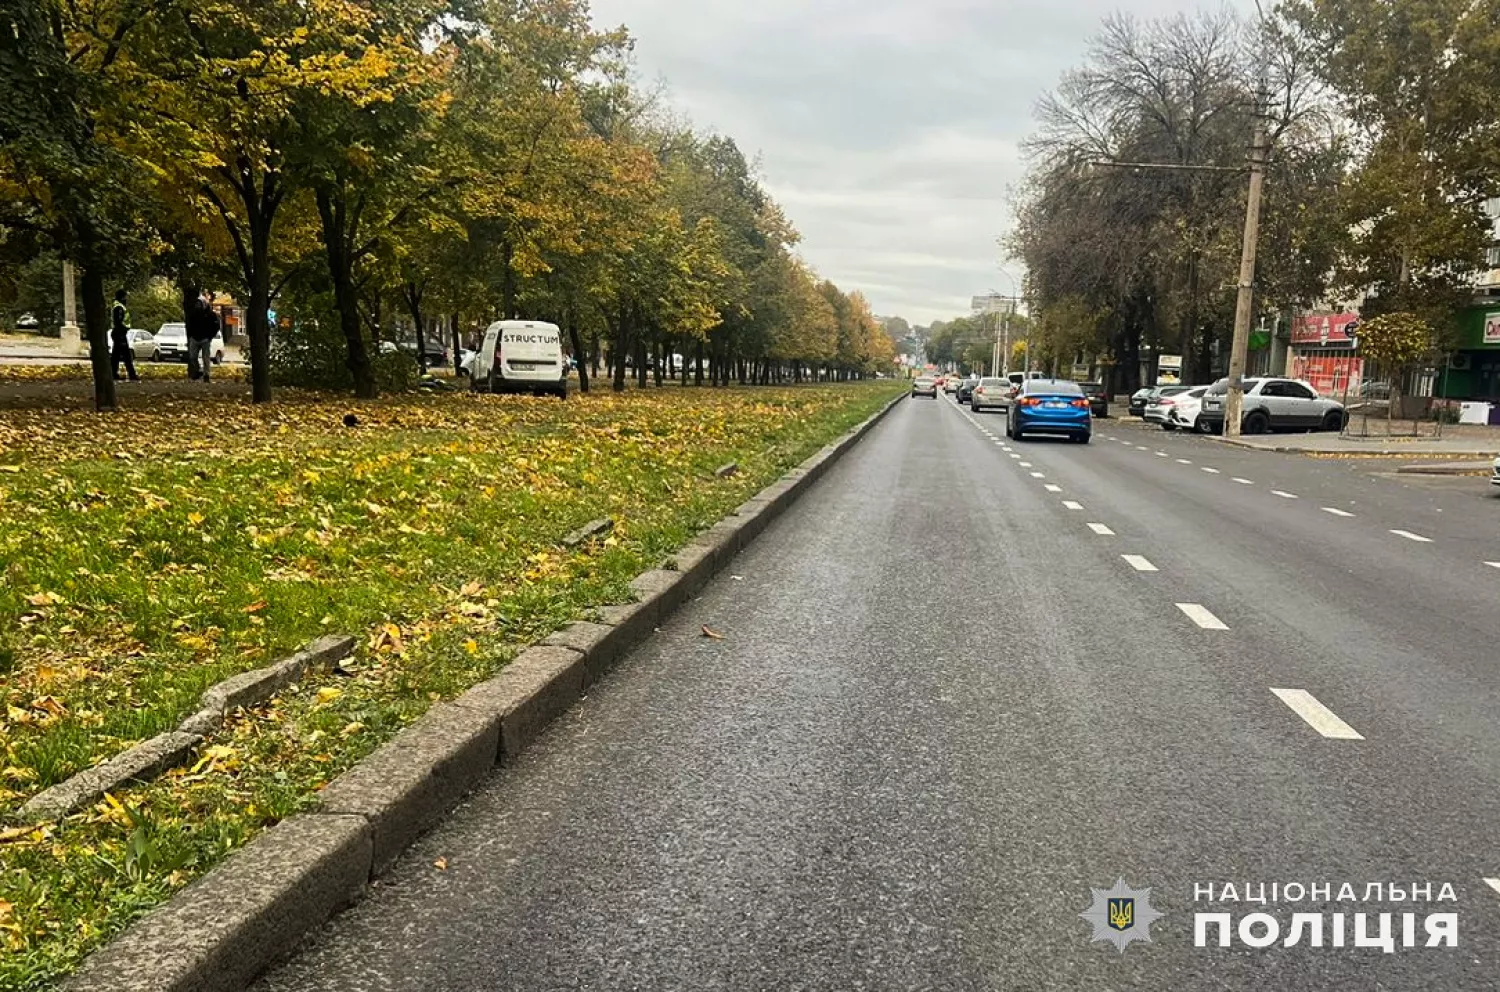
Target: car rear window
(1055,387)
(992,383)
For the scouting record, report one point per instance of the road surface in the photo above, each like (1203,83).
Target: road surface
(962,684)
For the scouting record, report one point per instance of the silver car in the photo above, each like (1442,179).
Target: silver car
(1495,479)
(1273,404)
(990,393)
(1156,409)
(924,385)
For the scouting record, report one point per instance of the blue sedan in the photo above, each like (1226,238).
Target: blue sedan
(1050,406)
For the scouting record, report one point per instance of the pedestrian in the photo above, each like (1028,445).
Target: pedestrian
(202,328)
(119,332)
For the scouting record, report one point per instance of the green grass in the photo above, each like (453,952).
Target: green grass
(437,520)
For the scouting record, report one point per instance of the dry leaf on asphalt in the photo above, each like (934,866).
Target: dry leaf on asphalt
(441,864)
(710,632)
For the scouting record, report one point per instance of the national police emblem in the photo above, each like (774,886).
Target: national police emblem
(1121,915)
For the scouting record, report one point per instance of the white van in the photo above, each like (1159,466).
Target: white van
(520,356)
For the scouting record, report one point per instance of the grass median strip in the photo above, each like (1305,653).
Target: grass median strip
(150,554)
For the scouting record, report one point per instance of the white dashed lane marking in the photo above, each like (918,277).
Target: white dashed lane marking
(1183,461)
(1412,537)
(1053,489)
(1243,482)
(1493,564)
(1037,475)
(1139,563)
(1162,454)
(1014,455)
(1337,512)
(1101,530)
(1025,464)
(1493,883)
(1072,504)
(1319,717)
(1278,492)
(1211,471)
(1202,617)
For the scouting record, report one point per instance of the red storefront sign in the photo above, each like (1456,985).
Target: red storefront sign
(1328,329)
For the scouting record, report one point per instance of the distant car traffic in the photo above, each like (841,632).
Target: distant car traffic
(1098,398)
(1160,402)
(989,393)
(1273,404)
(924,385)
(1184,410)
(1050,406)
(966,389)
(950,384)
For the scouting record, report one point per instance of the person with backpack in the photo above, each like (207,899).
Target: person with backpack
(202,328)
(119,333)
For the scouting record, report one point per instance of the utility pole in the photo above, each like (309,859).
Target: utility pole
(1245,302)
(69,334)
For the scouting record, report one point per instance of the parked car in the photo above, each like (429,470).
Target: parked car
(924,385)
(1495,479)
(1184,410)
(1016,378)
(520,356)
(1160,402)
(966,389)
(1098,398)
(1138,400)
(142,343)
(1050,406)
(1273,404)
(171,343)
(989,393)
(27,322)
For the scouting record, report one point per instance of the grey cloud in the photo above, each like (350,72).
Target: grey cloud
(888,130)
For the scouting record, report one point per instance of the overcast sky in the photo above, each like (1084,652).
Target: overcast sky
(887,129)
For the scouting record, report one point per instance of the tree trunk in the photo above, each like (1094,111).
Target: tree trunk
(698,371)
(457,344)
(96,323)
(661,360)
(577,344)
(619,348)
(346,297)
(508,285)
(413,296)
(257,319)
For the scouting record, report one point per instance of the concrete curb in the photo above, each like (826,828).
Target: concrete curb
(148,759)
(1409,449)
(1475,468)
(248,913)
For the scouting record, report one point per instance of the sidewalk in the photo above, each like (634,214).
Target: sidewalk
(1454,443)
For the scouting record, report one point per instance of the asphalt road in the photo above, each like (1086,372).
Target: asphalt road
(946,707)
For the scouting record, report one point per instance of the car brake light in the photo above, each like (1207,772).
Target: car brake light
(1166,402)
(1081,403)
(1029,401)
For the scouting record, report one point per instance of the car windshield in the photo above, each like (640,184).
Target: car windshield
(993,383)
(1092,387)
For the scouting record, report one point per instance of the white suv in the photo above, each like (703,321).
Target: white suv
(1272,405)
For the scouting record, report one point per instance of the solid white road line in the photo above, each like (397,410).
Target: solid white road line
(1319,717)
(1183,461)
(1072,504)
(1493,564)
(1053,489)
(1037,475)
(1243,482)
(1202,617)
(1337,512)
(1412,537)
(1278,492)
(1211,471)
(1101,530)
(1139,563)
